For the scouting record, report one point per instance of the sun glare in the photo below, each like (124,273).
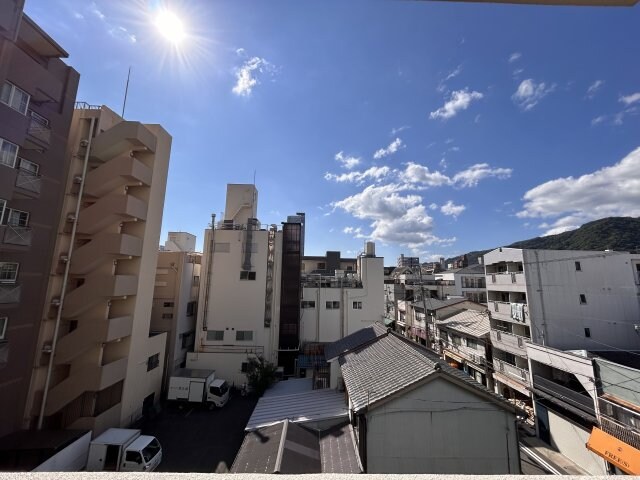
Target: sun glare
(170,26)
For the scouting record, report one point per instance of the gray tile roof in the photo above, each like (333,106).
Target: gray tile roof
(393,363)
(436,304)
(259,451)
(355,340)
(471,269)
(469,322)
(338,451)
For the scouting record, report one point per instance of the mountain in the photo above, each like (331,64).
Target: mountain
(612,233)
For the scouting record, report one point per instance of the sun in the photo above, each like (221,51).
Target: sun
(170,26)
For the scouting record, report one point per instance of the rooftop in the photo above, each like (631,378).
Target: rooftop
(469,322)
(355,340)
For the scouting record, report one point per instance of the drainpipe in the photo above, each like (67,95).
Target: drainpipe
(207,288)
(65,278)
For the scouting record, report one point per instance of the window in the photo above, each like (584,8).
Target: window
(308,304)
(28,166)
(153,362)
(38,118)
(196,280)
(456,340)
(471,343)
(578,267)
(244,275)
(14,97)
(8,153)
(583,298)
(357,305)
(167,304)
(587,332)
(188,339)
(151,450)
(349,268)
(191,308)
(222,247)
(321,266)
(3,205)
(332,305)
(219,391)
(133,457)
(167,315)
(215,335)
(244,335)
(3,327)
(17,218)
(244,368)
(8,272)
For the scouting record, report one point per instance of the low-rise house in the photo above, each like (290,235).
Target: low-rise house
(413,413)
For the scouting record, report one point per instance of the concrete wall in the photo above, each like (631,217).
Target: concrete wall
(441,428)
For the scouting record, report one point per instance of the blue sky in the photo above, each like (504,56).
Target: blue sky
(431,128)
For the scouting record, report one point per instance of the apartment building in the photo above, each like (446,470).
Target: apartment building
(410,262)
(37,93)
(96,364)
(327,264)
(249,301)
(337,305)
(175,298)
(568,300)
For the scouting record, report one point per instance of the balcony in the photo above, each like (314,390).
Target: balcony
(124,170)
(97,289)
(571,397)
(29,181)
(122,138)
(510,342)
(15,235)
(38,135)
(109,210)
(506,281)
(104,247)
(627,434)
(511,370)
(466,353)
(91,378)
(9,293)
(507,311)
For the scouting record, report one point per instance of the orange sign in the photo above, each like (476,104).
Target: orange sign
(615,451)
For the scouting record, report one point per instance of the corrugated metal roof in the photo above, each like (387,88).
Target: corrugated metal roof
(392,364)
(355,340)
(299,407)
(469,322)
(289,387)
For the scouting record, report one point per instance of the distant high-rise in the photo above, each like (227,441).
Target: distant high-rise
(37,93)
(410,262)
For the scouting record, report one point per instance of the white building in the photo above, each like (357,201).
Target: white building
(179,242)
(338,305)
(568,300)
(244,300)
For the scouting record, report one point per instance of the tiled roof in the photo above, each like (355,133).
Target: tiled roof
(355,340)
(393,363)
(436,304)
(471,269)
(469,322)
(337,450)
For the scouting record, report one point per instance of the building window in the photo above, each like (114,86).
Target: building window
(357,305)
(28,166)
(223,247)
(456,340)
(578,267)
(8,272)
(153,362)
(196,280)
(215,335)
(3,327)
(244,335)
(14,97)
(3,205)
(167,315)
(332,305)
(321,266)
(17,218)
(583,298)
(244,367)
(38,118)
(349,268)
(471,343)
(244,275)
(188,339)
(167,304)
(308,304)
(587,332)
(191,308)
(8,153)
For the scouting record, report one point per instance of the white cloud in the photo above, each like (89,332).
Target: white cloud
(593,88)
(514,57)
(472,175)
(517,72)
(420,175)
(452,209)
(396,130)
(610,191)
(78,15)
(241,52)
(433,206)
(454,73)
(247,75)
(459,100)
(454,149)
(347,161)
(356,232)
(374,173)
(529,93)
(598,120)
(123,34)
(391,149)
(93,8)
(629,99)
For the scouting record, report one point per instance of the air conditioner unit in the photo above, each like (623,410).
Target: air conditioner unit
(84,143)
(64,258)
(77,179)
(46,348)
(55,301)
(71,217)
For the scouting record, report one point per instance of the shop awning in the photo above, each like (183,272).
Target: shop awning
(454,356)
(615,451)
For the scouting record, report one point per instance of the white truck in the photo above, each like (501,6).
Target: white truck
(198,386)
(124,450)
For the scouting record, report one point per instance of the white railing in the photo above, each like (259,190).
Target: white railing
(466,352)
(506,311)
(511,370)
(510,342)
(505,278)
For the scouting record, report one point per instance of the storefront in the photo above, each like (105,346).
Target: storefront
(616,452)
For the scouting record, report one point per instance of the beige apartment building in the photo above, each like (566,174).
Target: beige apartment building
(97,365)
(175,298)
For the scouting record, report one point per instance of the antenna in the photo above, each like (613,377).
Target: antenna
(126,91)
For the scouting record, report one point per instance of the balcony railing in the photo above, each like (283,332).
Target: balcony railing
(505,278)
(518,312)
(620,431)
(15,235)
(9,293)
(465,352)
(39,131)
(576,399)
(510,342)
(511,370)
(29,181)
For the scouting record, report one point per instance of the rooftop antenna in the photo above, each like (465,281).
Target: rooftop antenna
(126,91)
